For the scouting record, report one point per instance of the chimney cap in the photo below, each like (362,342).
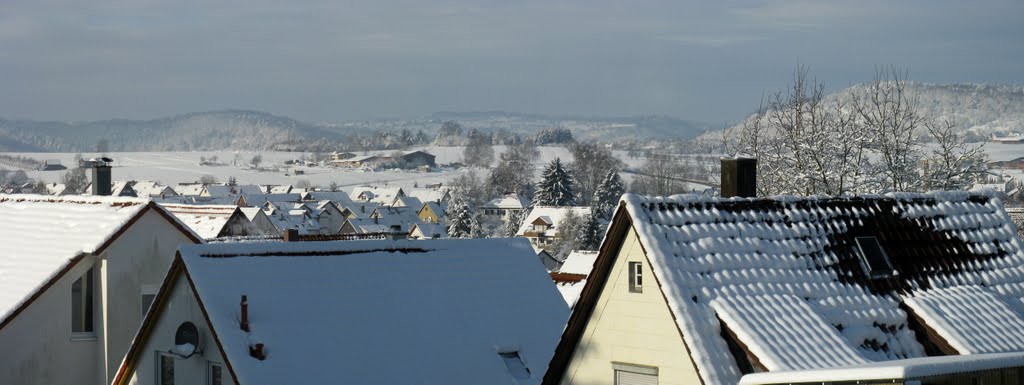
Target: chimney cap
(738,156)
(101,161)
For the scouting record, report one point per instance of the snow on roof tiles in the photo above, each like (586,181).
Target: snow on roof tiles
(705,248)
(764,324)
(954,314)
(42,234)
(434,308)
(510,201)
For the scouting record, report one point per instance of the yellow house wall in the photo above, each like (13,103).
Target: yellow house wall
(630,328)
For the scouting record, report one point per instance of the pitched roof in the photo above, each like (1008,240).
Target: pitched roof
(769,253)
(44,234)
(429,230)
(896,369)
(510,201)
(206,220)
(427,194)
(442,315)
(970,318)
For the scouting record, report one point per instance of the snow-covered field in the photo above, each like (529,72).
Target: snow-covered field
(178,167)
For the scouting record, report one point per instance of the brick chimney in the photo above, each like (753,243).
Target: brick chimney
(243,321)
(101,176)
(291,235)
(739,177)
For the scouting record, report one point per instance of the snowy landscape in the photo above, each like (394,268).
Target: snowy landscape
(464,192)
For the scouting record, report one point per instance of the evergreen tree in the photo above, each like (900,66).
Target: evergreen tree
(607,195)
(555,187)
(593,231)
(459,218)
(476,226)
(513,221)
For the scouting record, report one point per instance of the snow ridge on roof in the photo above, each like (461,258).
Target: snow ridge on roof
(704,248)
(760,322)
(952,312)
(437,309)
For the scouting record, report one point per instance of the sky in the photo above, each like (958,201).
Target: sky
(332,61)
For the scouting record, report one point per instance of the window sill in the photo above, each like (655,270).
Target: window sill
(83,337)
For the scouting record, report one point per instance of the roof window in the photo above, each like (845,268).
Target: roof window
(515,365)
(873,258)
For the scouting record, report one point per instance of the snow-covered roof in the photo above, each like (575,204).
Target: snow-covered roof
(260,199)
(338,197)
(552,215)
(912,368)
(427,194)
(406,201)
(438,209)
(189,189)
(251,212)
(42,234)
(507,202)
(206,220)
(970,318)
(151,189)
(798,260)
(281,189)
(579,262)
(436,309)
(383,195)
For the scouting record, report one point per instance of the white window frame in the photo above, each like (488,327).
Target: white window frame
(633,368)
(636,276)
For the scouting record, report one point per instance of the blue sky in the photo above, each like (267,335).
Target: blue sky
(340,60)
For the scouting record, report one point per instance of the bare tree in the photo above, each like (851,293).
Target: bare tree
(952,163)
(256,160)
(75,180)
(887,110)
(591,163)
(660,175)
(207,179)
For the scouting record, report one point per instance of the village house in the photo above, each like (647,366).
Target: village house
(77,273)
(377,194)
(541,225)
(256,313)
(337,158)
(432,212)
(504,206)
(260,220)
(428,231)
(436,195)
(903,288)
(215,221)
(151,189)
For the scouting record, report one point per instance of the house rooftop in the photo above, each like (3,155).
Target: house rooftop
(781,283)
(206,220)
(441,310)
(43,234)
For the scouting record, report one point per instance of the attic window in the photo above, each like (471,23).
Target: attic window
(873,258)
(515,365)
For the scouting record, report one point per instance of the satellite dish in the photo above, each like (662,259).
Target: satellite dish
(186,340)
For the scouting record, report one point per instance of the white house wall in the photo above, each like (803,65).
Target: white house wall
(139,258)
(182,306)
(630,328)
(37,346)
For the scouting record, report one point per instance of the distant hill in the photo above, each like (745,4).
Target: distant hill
(583,127)
(215,130)
(979,110)
(255,130)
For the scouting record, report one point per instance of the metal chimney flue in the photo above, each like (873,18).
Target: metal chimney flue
(739,177)
(101,182)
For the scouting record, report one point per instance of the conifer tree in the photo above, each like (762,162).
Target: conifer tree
(607,195)
(555,187)
(459,218)
(513,221)
(593,231)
